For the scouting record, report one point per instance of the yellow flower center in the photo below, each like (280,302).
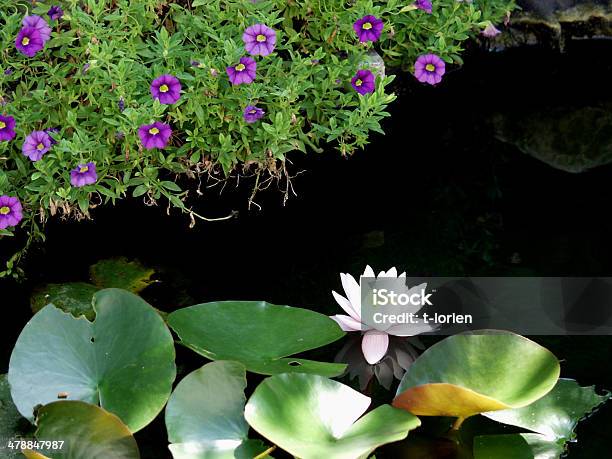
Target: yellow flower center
(2,125)
(154,131)
(252,112)
(358,83)
(163,88)
(430,67)
(5,210)
(367,26)
(240,67)
(25,41)
(261,38)
(83,169)
(40,146)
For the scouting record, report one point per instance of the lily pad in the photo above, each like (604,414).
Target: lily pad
(121,273)
(257,334)
(556,414)
(74,297)
(467,374)
(12,425)
(87,432)
(205,414)
(124,360)
(313,417)
(516,446)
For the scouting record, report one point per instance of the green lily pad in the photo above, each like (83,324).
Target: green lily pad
(87,432)
(313,417)
(121,273)
(12,425)
(258,335)
(516,446)
(556,414)
(124,360)
(74,297)
(205,413)
(467,374)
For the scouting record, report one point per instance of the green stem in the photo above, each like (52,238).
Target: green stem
(266,453)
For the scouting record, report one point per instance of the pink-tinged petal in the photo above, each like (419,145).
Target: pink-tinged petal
(353,292)
(346,305)
(347,323)
(374,345)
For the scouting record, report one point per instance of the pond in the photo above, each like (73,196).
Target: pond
(449,191)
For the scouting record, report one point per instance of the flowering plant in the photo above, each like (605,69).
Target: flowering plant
(108,99)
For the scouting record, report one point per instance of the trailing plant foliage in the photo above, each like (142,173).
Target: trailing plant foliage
(107,99)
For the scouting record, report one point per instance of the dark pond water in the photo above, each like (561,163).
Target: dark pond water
(440,194)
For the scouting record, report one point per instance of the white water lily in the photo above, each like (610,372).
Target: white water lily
(375,341)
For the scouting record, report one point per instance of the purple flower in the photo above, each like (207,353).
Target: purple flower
(83,174)
(259,39)
(55,12)
(85,68)
(154,135)
(39,24)
(490,31)
(424,5)
(10,211)
(166,89)
(368,28)
(195,64)
(29,41)
(8,72)
(121,104)
(243,72)
(36,145)
(429,68)
(7,128)
(363,82)
(252,114)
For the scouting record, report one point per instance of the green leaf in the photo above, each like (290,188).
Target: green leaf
(257,334)
(12,425)
(556,414)
(205,413)
(313,417)
(121,273)
(74,297)
(467,374)
(87,431)
(124,360)
(516,446)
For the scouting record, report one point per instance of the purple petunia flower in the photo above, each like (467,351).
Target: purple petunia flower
(83,174)
(429,68)
(363,82)
(8,72)
(55,13)
(259,39)
(243,72)
(10,211)
(195,63)
(490,31)
(166,89)
(121,104)
(39,24)
(36,145)
(29,41)
(368,28)
(424,5)
(154,135)
(7,128)
(253,113)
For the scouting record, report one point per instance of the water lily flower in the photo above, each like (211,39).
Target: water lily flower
(490,31)
(166,89)
(7,128)
(10,211)
(29,41)
(424,5)
(429,68)
(368,28)
(154,135)
(83,174)
(253,113)
(363,82)
(55,12)
(40,25)
(259,39)
(243,72)
(375,341)
(36,144)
